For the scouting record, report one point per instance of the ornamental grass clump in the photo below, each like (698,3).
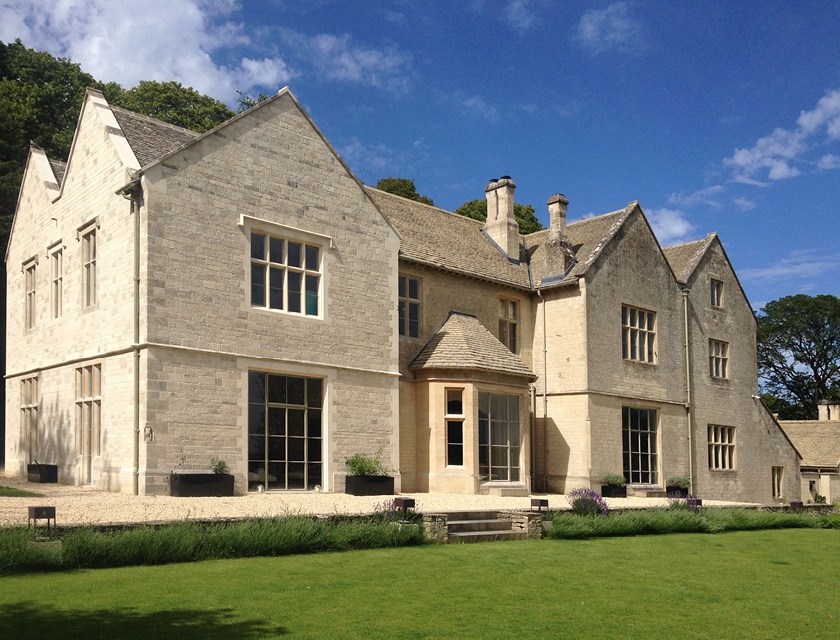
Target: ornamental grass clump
(586,502)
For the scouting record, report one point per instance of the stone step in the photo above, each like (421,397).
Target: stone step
(459,516)
(462,526)
(485,536)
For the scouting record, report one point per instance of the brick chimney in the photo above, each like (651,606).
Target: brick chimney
(501,224)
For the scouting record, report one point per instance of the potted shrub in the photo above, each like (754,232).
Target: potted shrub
(677,487)
(217,483)
(367,477)
(614,485)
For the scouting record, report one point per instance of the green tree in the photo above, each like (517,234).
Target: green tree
(245,101)
(798,345)
(175,104)
(525,214)
(402,187)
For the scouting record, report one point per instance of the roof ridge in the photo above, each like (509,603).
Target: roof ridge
(423,204)
(153,120)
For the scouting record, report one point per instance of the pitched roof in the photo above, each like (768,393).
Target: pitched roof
(439,239)
(58,168)
(462,342)
(151,139)
(817,440)
(684,258)
(588,238)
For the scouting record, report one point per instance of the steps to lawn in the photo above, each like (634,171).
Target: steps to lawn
(482,526)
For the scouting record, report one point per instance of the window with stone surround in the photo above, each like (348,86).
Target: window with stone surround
(498,437)
(777,477)
(716,287)
(638,334)
(285,274)
(285,434)
(454,427)
(410,290)
(56,282)
(721,447)
(718,359)
(639,428)
(29,401)
(509,323)
(30,278)
(89,280)
(88,412)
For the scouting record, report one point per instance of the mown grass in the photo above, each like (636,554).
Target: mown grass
(29,550)
(758,584)
(679,519)
(11,492)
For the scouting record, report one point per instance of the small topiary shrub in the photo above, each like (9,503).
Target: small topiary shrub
(586,502)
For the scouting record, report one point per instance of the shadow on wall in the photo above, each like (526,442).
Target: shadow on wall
(550,474)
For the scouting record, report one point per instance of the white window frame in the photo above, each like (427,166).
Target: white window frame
(56,254)
(718,359)
(778,477)
(89,257)
(29,403)
(721,441)
(716,293)
(30,288)
(509,323)
(89,410)
(454,420)
(499,437)
(640,444)
(638,334)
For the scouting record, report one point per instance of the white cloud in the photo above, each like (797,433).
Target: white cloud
(798,264)
(610,29)
(779,153)
(477,106)
(520,15)
(744,204)
(704,196)
(669,225)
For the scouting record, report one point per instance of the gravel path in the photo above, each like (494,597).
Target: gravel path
(86,505)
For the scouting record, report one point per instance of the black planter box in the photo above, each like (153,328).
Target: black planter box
(611,491)
(369,485)
(676,492)
(42,472)
(200,485)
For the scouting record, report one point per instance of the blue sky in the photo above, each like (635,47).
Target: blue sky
(716,116)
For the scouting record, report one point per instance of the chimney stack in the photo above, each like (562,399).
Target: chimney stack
(501,224)
(828,410)
(559,253)
(558,204)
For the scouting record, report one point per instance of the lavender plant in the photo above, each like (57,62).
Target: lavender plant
(586,502)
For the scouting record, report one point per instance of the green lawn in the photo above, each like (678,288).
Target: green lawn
(11,492)
(762,584)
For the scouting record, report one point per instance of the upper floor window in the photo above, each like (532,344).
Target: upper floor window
(508,323)
(89,267)
(716,288)
(718,359)
(409,306)
(638,334)
(285,274)
(56,282)
(29,290)
(721,447)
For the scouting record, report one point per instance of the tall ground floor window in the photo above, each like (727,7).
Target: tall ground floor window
(498,437)
(285,441)
(639,434)
(88,417)
(778,474)
(29,399)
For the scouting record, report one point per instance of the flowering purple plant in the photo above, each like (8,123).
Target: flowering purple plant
(586,502)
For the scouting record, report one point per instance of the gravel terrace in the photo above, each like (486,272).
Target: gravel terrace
(87,505)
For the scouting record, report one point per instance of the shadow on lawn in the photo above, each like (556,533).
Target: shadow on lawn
(26,619)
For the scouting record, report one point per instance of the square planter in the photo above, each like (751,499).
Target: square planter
(369,485)
(42,472)
(200,485)
(612,491)
(676,492)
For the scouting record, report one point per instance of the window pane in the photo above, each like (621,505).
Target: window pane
(256,387)
(276,448)
(296,422)
(297,449)
(313,262)
(454,402)
(276,288)
(276,421)
(257,285)
(294,291)
(313,423)
(294,250)
(297,391)
(277,389)
(257,246)
(313,451)
(313,392)
(312,295)
(276,250)
(414,288)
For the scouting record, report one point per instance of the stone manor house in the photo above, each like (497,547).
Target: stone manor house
(239,294)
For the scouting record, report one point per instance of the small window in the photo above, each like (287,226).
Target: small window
(717,293)
(56,282)
(778,480)
(721,448)
(718,359)
(89,268)
(29,289)
(509,323)
(638,335)
(409,306)
(285,275)
(29,400)
(454,427)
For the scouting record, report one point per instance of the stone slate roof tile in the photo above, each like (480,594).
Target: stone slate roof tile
(818,441)
(58,168)
(151,139)
(684,258)
(462,342)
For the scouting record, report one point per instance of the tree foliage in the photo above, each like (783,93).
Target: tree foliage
(525,214)
(799,349)
(402,187)
(175,104)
